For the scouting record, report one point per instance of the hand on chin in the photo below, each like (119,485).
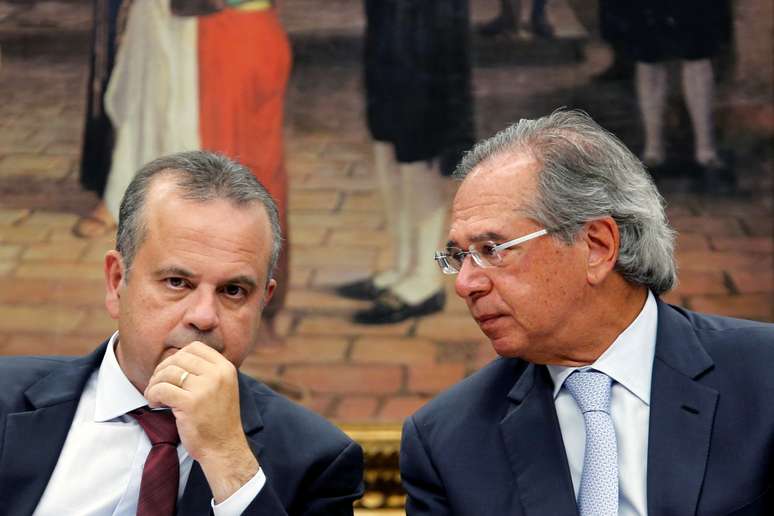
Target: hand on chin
(201,387)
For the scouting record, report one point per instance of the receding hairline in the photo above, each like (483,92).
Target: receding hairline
(506,157)
(175,178)
(513,161)
(535,145)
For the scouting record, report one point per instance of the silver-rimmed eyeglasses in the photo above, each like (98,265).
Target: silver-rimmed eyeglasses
(485,254)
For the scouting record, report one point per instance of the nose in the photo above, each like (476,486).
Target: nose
(472,281)
(202,311)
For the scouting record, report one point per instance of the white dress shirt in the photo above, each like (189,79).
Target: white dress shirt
(629,362)
(100,467)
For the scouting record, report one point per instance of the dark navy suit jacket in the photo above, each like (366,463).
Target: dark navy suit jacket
(312,468)
(491,445)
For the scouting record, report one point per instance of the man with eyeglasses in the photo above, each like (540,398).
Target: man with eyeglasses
(605,400)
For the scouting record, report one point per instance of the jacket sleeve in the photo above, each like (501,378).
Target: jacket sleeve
(331,493)
(426,493)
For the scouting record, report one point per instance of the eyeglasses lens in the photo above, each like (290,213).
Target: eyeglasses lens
(488,254)
(450,260)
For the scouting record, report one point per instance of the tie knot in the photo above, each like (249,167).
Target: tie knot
(591,390)
(159,425)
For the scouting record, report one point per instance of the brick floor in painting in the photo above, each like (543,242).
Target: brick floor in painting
(51,283)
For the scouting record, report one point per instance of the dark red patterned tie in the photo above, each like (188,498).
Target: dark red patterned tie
(161,474)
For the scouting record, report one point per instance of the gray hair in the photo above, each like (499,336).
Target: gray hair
(588,173)
(199,176)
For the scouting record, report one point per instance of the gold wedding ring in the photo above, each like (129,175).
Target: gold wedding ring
(183,376)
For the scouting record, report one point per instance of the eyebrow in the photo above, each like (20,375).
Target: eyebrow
(481,237)
(174,271)
(243,280)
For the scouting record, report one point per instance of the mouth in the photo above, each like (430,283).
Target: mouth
(488,320)
(176,343)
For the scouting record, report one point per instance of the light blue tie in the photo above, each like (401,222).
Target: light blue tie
(598,495)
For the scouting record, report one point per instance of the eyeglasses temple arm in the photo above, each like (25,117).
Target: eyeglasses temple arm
(521,240)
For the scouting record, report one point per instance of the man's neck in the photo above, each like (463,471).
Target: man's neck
(604,317)
(612,315)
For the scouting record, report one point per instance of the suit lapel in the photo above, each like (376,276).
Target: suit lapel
(533,442)
(681,417)
(197,495)
(34,437)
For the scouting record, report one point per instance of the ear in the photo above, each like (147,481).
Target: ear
(271,287)
(115,276)
(602,239)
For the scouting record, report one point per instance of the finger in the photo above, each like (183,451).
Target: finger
(165,394)
(174,375)
(188,361)
(204,352)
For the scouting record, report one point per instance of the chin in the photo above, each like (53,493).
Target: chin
(508,347)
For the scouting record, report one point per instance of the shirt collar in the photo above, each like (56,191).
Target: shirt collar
(629,359)
(115,393)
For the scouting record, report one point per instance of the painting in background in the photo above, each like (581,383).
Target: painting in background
(369,377)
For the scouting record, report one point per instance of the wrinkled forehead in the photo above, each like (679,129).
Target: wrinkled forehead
(494,197)
(507,181)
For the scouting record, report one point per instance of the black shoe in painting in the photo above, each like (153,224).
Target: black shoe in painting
(389,308)
(362,290)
